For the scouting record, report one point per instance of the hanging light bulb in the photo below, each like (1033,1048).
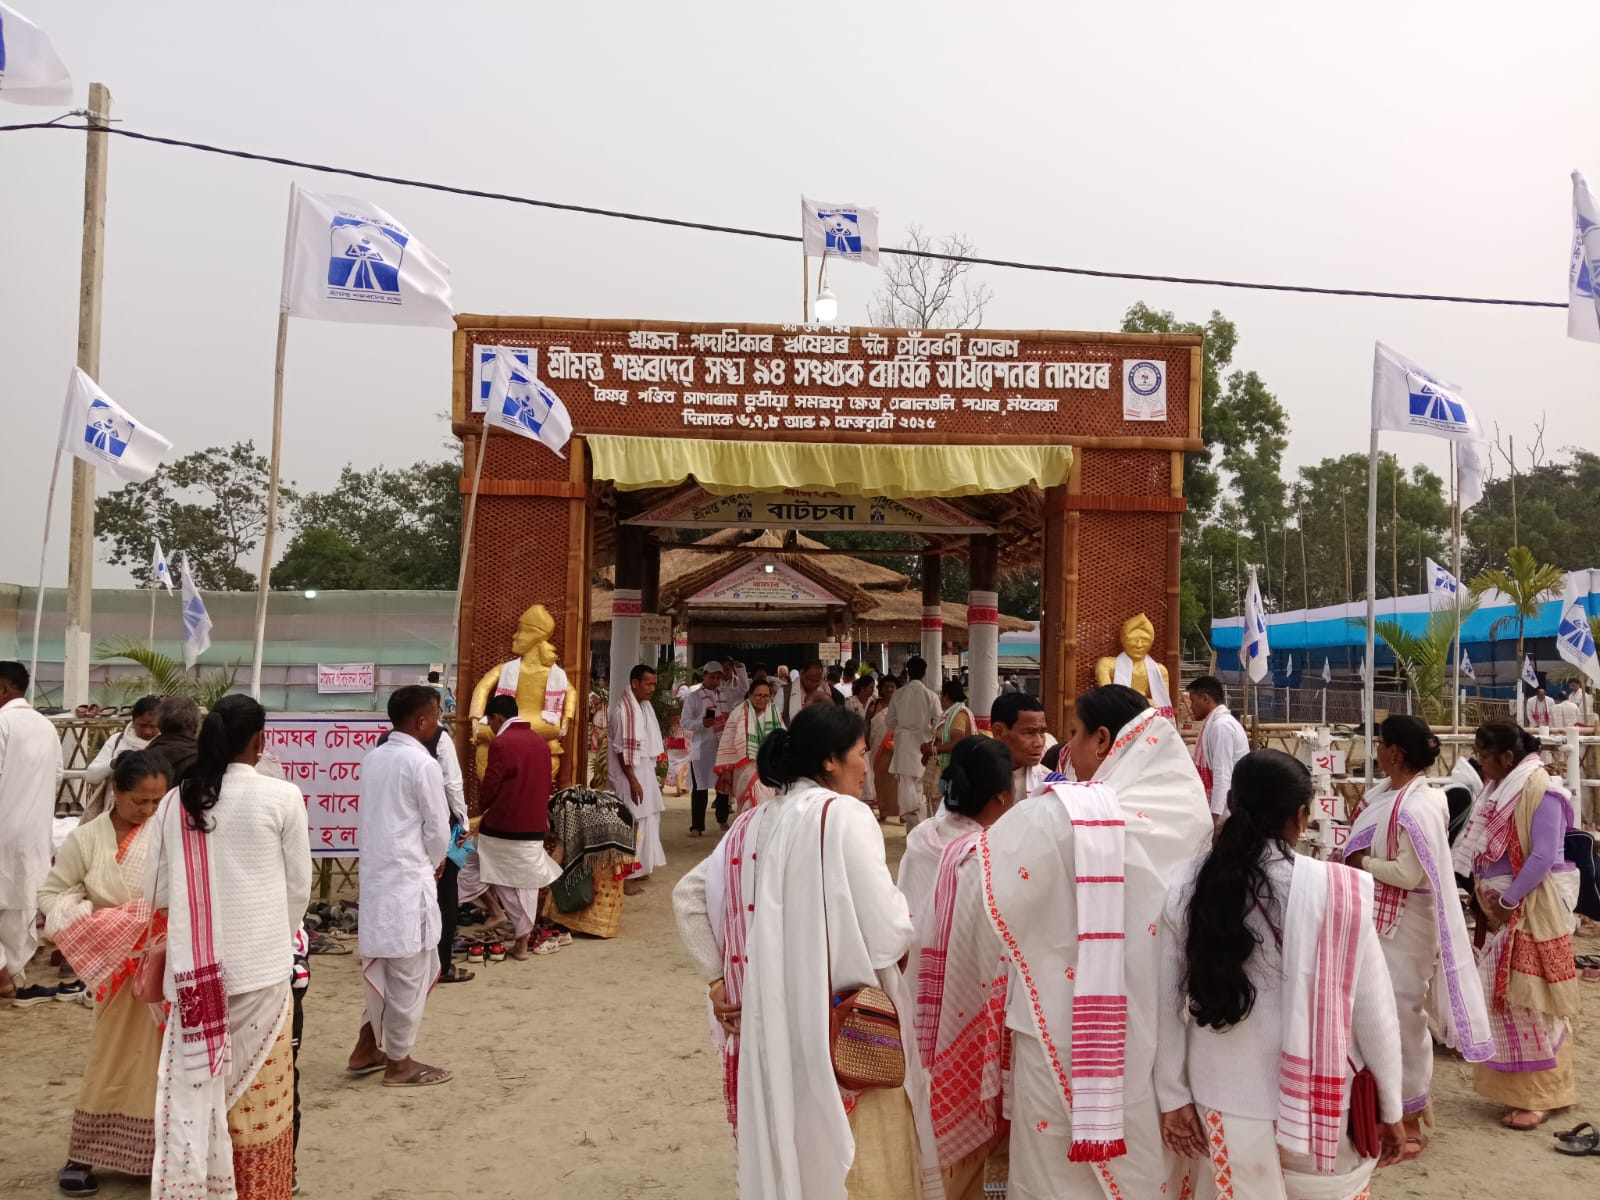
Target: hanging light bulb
(769,568)
(826,306)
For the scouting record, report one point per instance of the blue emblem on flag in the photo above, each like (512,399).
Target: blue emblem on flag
(107,433)
(486,372)
(194,614)
(2,46)
(528,403)
(841,231)
(1575,633)
(1584,285)
(363,257)
(1443,581)
(1433,405)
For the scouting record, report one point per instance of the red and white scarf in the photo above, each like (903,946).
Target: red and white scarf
(731,920)
(1327,907)
(202,994)
(555,690)
(1389,902)
(1492,827)
(1100,997)
(960,1021)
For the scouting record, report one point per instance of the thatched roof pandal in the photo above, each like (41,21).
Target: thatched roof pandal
(882,605)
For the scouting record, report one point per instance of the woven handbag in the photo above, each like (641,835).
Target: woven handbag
(864,1042)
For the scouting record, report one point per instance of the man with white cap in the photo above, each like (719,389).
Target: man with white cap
(705,714)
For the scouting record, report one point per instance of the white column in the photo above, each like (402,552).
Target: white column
(983,653)
(625,608)
(933,639)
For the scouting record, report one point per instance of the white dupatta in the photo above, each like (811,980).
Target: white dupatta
(1160,698)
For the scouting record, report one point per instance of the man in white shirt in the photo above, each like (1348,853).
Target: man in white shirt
(705,716)
(1541,713)
(30,770)
(913,715)
(1017,719)
(1222,743)
(809,686)
(403,826)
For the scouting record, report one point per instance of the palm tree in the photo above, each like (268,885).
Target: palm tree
(166,676)
(1527,583)
(1425,657)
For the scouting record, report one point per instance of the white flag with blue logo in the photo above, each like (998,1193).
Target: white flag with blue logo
(101,432)
(196,621)
(159,571)
(1253,650)
(521,403)
(30,70)
(526,357)
(1466,664)
(1529,675)
(1327,671)
(1440,581)
(1583,273)
(1574,639)
(847,231)
(1411,399)
(347,260)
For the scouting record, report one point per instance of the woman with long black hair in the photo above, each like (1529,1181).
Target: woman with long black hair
(1275,993)
(794,908)
(1401,837)
(232,869)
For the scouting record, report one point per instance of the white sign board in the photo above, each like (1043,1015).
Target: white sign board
(322,757)
(654,629)
(335,678)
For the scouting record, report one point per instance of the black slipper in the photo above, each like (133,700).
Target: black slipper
(1577,1143)
(77,1179)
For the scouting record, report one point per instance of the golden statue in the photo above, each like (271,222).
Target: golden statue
(1133,666)
(545,699)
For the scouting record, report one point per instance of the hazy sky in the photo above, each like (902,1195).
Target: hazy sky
(1401,146)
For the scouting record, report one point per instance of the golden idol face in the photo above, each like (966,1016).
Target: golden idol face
(1137,642)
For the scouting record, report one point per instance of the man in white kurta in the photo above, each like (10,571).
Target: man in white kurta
(1018,720)
(705,716)
(30,769)
(913,715)
(403,827)
(635,745)
(1221,744)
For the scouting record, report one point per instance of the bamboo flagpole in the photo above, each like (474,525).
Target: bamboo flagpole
(1372,599)
(264,580)
(44,546)
(466,548)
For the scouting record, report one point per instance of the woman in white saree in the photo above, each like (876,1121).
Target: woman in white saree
(795,906)
(1274,995)
(747,727)
(1401,838)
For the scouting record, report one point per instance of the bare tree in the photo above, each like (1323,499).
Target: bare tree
(930,293)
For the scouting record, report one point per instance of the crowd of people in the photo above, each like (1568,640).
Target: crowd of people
(1106,967)
(1110,965)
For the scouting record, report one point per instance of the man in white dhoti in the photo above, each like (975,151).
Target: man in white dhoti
(631,769)
(1017,719)
(30,769)
(914,717)
(403,826)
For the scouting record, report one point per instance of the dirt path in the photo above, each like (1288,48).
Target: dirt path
(590,1074)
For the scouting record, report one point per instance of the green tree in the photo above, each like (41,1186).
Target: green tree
(1557,515)
(379,528)
(210,505)
(1526,582)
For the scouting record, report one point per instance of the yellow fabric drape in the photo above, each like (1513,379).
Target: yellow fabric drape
(898,472)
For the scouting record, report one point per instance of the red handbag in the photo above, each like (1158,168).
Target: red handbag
(1366,1130)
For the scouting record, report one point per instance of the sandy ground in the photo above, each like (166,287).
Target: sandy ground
(590,1074)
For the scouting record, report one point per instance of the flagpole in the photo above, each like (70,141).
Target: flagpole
(1372,596)
(152,616)
(805,286)
(1455,533)
(44,546)
(272,505)
(466,550)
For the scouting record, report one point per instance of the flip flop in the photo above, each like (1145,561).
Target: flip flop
(366,1070)
(1587,960)
(457,975)
(1577,1143)
(425,1077)
(1421,1143)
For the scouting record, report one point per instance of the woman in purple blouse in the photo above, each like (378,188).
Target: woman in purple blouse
(1512,846)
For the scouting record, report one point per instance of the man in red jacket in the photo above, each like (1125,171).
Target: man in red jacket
(515,794)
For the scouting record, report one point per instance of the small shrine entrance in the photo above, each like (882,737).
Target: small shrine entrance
(1056,451)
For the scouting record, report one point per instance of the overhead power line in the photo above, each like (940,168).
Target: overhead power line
(770,236)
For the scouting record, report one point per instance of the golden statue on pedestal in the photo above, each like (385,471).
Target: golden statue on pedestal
(545,699)
(1134,666)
